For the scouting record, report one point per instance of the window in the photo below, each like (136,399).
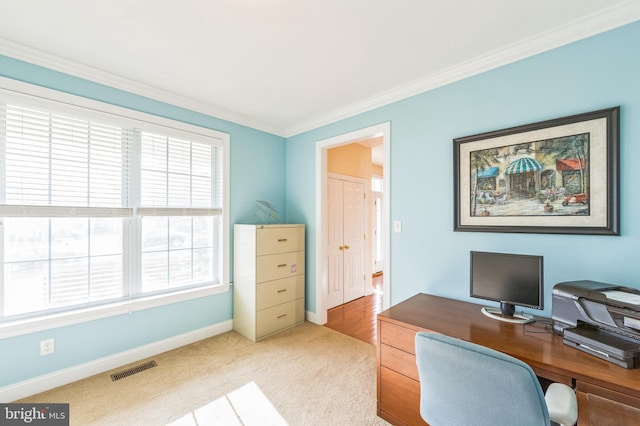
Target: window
(97,208)
(377,187)
(180,205)
(377,184)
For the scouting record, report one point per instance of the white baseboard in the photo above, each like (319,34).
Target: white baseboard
(312,317)
(77,372)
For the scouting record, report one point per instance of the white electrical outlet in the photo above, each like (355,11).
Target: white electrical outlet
(47,347)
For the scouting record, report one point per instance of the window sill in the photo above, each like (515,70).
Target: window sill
(46,322)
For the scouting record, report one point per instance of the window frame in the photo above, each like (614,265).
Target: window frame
(135,119)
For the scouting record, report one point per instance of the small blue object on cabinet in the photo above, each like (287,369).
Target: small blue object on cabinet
(266,212)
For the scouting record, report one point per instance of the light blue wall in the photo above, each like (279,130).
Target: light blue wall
(598,72)
(257,173)
(427,256)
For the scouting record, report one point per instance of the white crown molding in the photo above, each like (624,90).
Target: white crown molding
(34,56)
(604,20)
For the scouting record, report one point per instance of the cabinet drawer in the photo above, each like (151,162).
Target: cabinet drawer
(278,317)
(279,240)
(400,337)
(399,397)
(277,266)
(400,361)
(276,292)
(600,406)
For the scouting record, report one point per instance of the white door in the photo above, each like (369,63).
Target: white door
(346,249)
(354,235)
(335,245)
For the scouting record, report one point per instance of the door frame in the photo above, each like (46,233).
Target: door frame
(384,130)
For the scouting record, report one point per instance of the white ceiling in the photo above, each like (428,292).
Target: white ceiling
(286,66)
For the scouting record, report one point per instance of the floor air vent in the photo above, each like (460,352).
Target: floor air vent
(133,370)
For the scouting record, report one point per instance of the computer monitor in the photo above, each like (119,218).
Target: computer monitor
(510,279)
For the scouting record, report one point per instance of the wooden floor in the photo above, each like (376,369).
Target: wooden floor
(358,317)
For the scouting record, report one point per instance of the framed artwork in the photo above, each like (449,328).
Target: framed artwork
(559,176)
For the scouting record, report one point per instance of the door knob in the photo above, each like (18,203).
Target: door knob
(346,247)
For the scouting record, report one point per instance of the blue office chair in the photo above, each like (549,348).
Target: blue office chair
(462,383)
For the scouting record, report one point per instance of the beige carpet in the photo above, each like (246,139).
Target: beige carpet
(308,375)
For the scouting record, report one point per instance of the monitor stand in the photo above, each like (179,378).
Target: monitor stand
(516,318)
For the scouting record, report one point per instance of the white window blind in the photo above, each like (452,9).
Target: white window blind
(54,160)
(181,206)
(178,173)
(94,211)
(64,178)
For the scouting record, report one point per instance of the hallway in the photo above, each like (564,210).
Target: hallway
(358,318)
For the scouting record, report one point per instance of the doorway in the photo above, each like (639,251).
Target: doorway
(382,131)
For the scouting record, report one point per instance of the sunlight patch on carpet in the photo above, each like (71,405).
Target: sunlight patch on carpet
(245,406)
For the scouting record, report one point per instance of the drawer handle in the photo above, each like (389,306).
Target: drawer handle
(282,316)
(282,240)
(282,265)
(282,291)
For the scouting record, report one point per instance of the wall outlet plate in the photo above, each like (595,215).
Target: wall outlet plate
(47,347)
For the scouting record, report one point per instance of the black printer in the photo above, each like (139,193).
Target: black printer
(600,319)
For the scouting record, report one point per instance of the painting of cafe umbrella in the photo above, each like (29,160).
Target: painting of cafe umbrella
(537,178)
(523,177)
(507,184)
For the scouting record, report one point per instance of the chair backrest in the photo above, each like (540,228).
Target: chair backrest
(462,383)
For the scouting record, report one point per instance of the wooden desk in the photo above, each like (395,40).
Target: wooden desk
(607,394)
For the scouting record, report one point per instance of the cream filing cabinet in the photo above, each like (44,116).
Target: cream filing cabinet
(268,273)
